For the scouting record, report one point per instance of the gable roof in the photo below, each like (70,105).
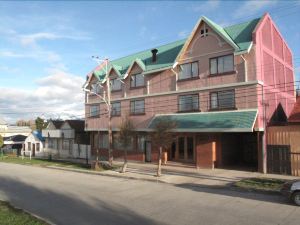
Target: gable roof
(77,125)
(38,135)
(295,114)
(57,123)
(239,36)
(241,33)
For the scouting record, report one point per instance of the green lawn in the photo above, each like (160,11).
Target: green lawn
(260,184)
(12,216)
(43,162)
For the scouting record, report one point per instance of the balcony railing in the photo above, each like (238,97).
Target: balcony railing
(59,133)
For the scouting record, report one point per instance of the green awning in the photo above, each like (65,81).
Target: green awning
(225,121)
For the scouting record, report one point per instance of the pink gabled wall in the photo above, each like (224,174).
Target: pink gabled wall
(274,68)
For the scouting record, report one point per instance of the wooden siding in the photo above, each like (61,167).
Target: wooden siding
(287,135)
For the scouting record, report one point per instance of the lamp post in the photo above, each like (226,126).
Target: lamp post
(108,106)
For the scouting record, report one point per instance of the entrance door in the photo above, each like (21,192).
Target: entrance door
(186,148)
(279,159)
(173,150)
(148,151)
(33,149)
(181,147)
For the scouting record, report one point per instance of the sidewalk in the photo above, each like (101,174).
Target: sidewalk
(175,173)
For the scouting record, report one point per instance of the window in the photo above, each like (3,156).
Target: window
(50,143)
(37,147)
(94,110)
(96,88)
(137,80)
(137,107)
(66,144)
(141,139)
(103,141)
(222,100)
(116,109)
(118,145)
(115,85)
(221,64)
(188,70)
(188,103)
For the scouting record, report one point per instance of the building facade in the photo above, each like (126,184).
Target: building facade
(66,139)
(222,87)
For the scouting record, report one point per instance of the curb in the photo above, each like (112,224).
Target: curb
(106,175)
(253,190)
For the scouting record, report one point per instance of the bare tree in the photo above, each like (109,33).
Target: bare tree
(125,136)
(162,137)
(1,144)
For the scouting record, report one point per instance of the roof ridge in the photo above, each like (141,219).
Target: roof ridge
(148,49)
(258,18)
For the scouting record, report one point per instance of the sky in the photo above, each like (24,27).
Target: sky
(46,47)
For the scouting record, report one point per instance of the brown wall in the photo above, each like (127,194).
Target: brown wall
(287,135)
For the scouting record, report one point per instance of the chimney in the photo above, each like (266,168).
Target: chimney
(154,56)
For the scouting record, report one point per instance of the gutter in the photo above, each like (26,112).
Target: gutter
(246,67)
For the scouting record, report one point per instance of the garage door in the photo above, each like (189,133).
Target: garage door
(279,159)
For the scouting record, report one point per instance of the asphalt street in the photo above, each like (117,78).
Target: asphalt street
(71,198)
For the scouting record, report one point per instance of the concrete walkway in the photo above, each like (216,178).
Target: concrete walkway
(175,173)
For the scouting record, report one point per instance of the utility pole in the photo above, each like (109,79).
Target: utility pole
(110,154)
(107,101)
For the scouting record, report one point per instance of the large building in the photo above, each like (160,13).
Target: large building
(222,85)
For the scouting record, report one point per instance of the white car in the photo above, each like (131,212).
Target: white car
(291,189)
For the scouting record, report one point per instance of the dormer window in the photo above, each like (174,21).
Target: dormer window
(137,80)
(96,88)
(115,84)
(188,71)
(204,32)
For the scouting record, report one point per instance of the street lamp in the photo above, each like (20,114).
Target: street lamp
(107,103)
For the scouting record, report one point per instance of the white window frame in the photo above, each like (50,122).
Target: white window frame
(134,110)
(190,71)
(133,79)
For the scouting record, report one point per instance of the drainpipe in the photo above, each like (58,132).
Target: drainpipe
(176,74)
(246,68)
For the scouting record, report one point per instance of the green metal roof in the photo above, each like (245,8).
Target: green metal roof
(225,121)
(241,33)
(239,36)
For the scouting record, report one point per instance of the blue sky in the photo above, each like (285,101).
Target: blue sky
(46,47)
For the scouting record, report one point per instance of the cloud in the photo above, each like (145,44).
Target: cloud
(143,30)
(252,7)
(32,39)
(206,6)
(58,94)
(40,55)
(183,33)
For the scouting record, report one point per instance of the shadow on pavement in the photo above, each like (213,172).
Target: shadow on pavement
(227,191)
(60,208)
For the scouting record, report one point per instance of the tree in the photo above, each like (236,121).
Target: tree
(162,137)
(1,144)
(125,136)
(1,141)
(40,124)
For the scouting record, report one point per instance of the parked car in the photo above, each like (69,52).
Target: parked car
(291,189)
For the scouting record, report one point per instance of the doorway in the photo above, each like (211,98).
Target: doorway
(183,149)
(148,151)
(33,150)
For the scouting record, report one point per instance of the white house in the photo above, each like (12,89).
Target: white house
(34,145)
(67,139)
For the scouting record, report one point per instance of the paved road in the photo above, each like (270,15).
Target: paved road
(73,198)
